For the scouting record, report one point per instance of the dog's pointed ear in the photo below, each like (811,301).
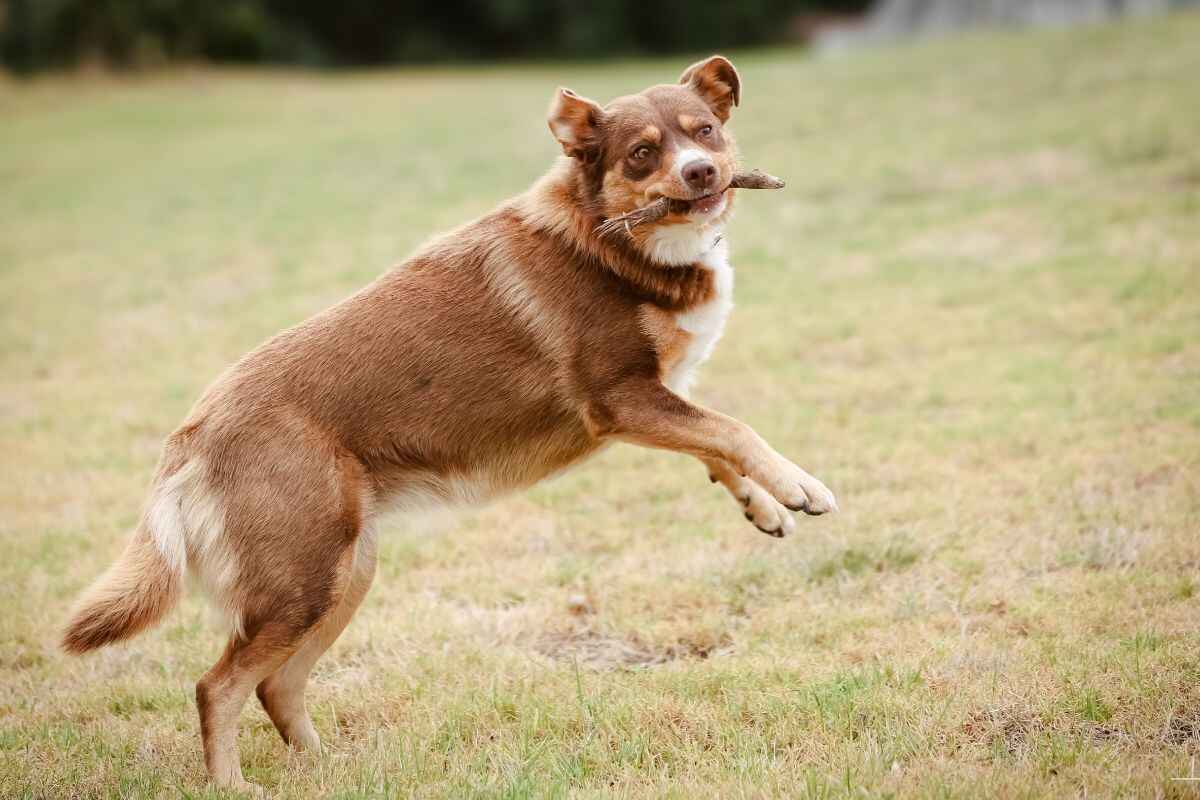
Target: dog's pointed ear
(717,83)
(575,123)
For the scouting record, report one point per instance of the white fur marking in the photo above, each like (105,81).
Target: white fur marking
(426,491)
(684,243)
(366,546)
(563,132)
(187,524)
(164,520)
(704,322)
(685,157)
(510,287)
(681,245)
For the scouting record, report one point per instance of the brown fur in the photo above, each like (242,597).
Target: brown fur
(135,593)
(497,355)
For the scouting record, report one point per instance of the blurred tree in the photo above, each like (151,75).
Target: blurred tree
(37,34)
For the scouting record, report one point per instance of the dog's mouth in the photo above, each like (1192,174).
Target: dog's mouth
(704,204)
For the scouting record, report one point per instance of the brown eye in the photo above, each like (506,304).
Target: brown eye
(640,153)
(706,131)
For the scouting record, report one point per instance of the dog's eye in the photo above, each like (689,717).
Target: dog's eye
(706,131)
(640,153)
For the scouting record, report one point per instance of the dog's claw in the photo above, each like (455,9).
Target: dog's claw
(775,532)
(820,500)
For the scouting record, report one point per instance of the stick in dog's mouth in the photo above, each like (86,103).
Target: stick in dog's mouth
(754,179)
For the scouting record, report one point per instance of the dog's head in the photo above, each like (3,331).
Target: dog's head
(667,141)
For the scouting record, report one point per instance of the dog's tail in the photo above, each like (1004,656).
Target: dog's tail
(136,592)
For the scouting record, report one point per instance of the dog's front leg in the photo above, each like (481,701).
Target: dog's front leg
(645,412)
(763,511)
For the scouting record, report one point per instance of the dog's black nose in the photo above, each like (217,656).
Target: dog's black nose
(700,174)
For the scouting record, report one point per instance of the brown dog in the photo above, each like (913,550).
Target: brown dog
(500,353)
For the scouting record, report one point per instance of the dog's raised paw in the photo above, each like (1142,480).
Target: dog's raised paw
(767,514)
(805,493)
(820,499)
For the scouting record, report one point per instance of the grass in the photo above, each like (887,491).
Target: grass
(975,313)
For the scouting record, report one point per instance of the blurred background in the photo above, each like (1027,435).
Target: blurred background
(43,34)
(972,313)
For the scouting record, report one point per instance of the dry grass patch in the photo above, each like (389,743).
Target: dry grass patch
(972,313)
(586,646)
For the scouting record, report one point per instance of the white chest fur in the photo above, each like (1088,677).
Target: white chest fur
(703,323)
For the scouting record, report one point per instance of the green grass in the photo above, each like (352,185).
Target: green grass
(974,313)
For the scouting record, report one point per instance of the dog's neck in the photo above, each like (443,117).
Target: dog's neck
(683,243)
(665,270)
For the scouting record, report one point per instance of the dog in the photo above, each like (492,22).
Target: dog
(497,355)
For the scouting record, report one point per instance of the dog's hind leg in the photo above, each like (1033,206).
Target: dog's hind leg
(294,531)
(274,633)
(222,692)
(282,692)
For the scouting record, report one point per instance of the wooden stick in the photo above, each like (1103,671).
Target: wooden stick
(754,179)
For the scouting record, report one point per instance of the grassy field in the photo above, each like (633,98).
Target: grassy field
(974,313)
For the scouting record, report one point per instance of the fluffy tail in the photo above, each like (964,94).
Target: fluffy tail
(134,594)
